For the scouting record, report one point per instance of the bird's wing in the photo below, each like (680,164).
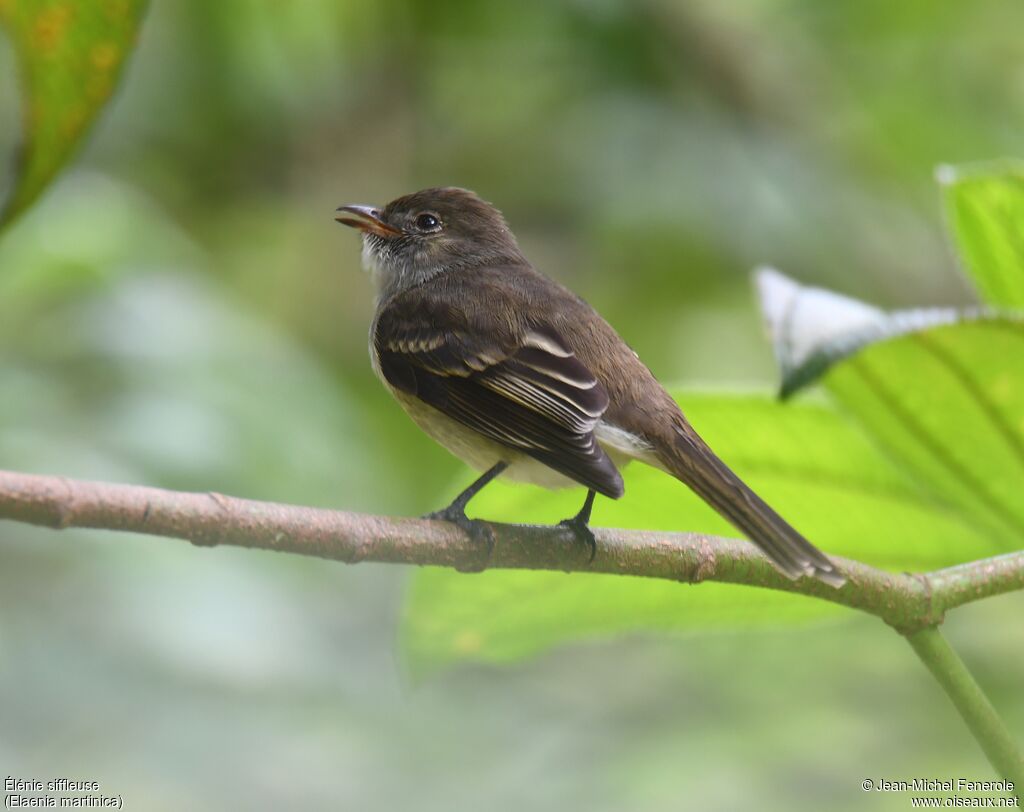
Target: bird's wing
(528,392)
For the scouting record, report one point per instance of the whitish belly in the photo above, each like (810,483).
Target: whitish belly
(481,453)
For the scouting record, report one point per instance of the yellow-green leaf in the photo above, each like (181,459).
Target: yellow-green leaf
(986,213)
(941,389)
(70,56)
(818,469)
(813,329)
(948,404)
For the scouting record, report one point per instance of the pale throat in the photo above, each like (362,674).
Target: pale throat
(392,273)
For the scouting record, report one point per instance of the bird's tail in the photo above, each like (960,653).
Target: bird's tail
(688,458)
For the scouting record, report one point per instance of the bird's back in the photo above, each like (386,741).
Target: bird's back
(636,398)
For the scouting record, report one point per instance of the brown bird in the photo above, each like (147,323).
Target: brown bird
(521,378)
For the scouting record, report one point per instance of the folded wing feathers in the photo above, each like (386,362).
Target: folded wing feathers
(538,399)
(536,396)
(547,342)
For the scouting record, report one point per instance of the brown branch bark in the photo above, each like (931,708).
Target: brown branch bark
(906,602)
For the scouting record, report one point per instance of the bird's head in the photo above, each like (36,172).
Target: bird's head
(418,236)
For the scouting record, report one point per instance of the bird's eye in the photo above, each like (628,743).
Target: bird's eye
(428,222)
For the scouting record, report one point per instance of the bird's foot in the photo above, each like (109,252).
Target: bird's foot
(581,529)
(480,532)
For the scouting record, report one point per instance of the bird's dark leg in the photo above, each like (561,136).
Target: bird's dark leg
(456,512)
(580,524)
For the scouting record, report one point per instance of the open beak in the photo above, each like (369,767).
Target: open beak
(366,218)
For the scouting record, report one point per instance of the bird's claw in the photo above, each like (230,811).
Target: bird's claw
(582,531)
(480,532)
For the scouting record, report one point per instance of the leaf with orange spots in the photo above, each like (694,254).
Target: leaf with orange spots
(70,56)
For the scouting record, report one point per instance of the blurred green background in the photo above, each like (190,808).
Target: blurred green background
(180,310)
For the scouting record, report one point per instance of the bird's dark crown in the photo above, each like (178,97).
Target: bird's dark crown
(461,214)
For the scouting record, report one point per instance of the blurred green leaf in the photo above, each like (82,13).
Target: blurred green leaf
(813,465)
(175,383)
(986,212)
(70,56)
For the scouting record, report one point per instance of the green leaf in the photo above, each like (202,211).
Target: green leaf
(948,404)
(70,54)
(986,212)
(812,329)
(814,466)
(941,390)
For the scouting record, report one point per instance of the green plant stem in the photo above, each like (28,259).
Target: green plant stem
(972,703)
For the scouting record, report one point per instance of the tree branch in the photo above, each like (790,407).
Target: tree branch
(906,602)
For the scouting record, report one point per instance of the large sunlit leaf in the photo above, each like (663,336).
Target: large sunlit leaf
(817,469)
(948,403)
(942,390)
(812,328)
(986,213)
(70,56)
